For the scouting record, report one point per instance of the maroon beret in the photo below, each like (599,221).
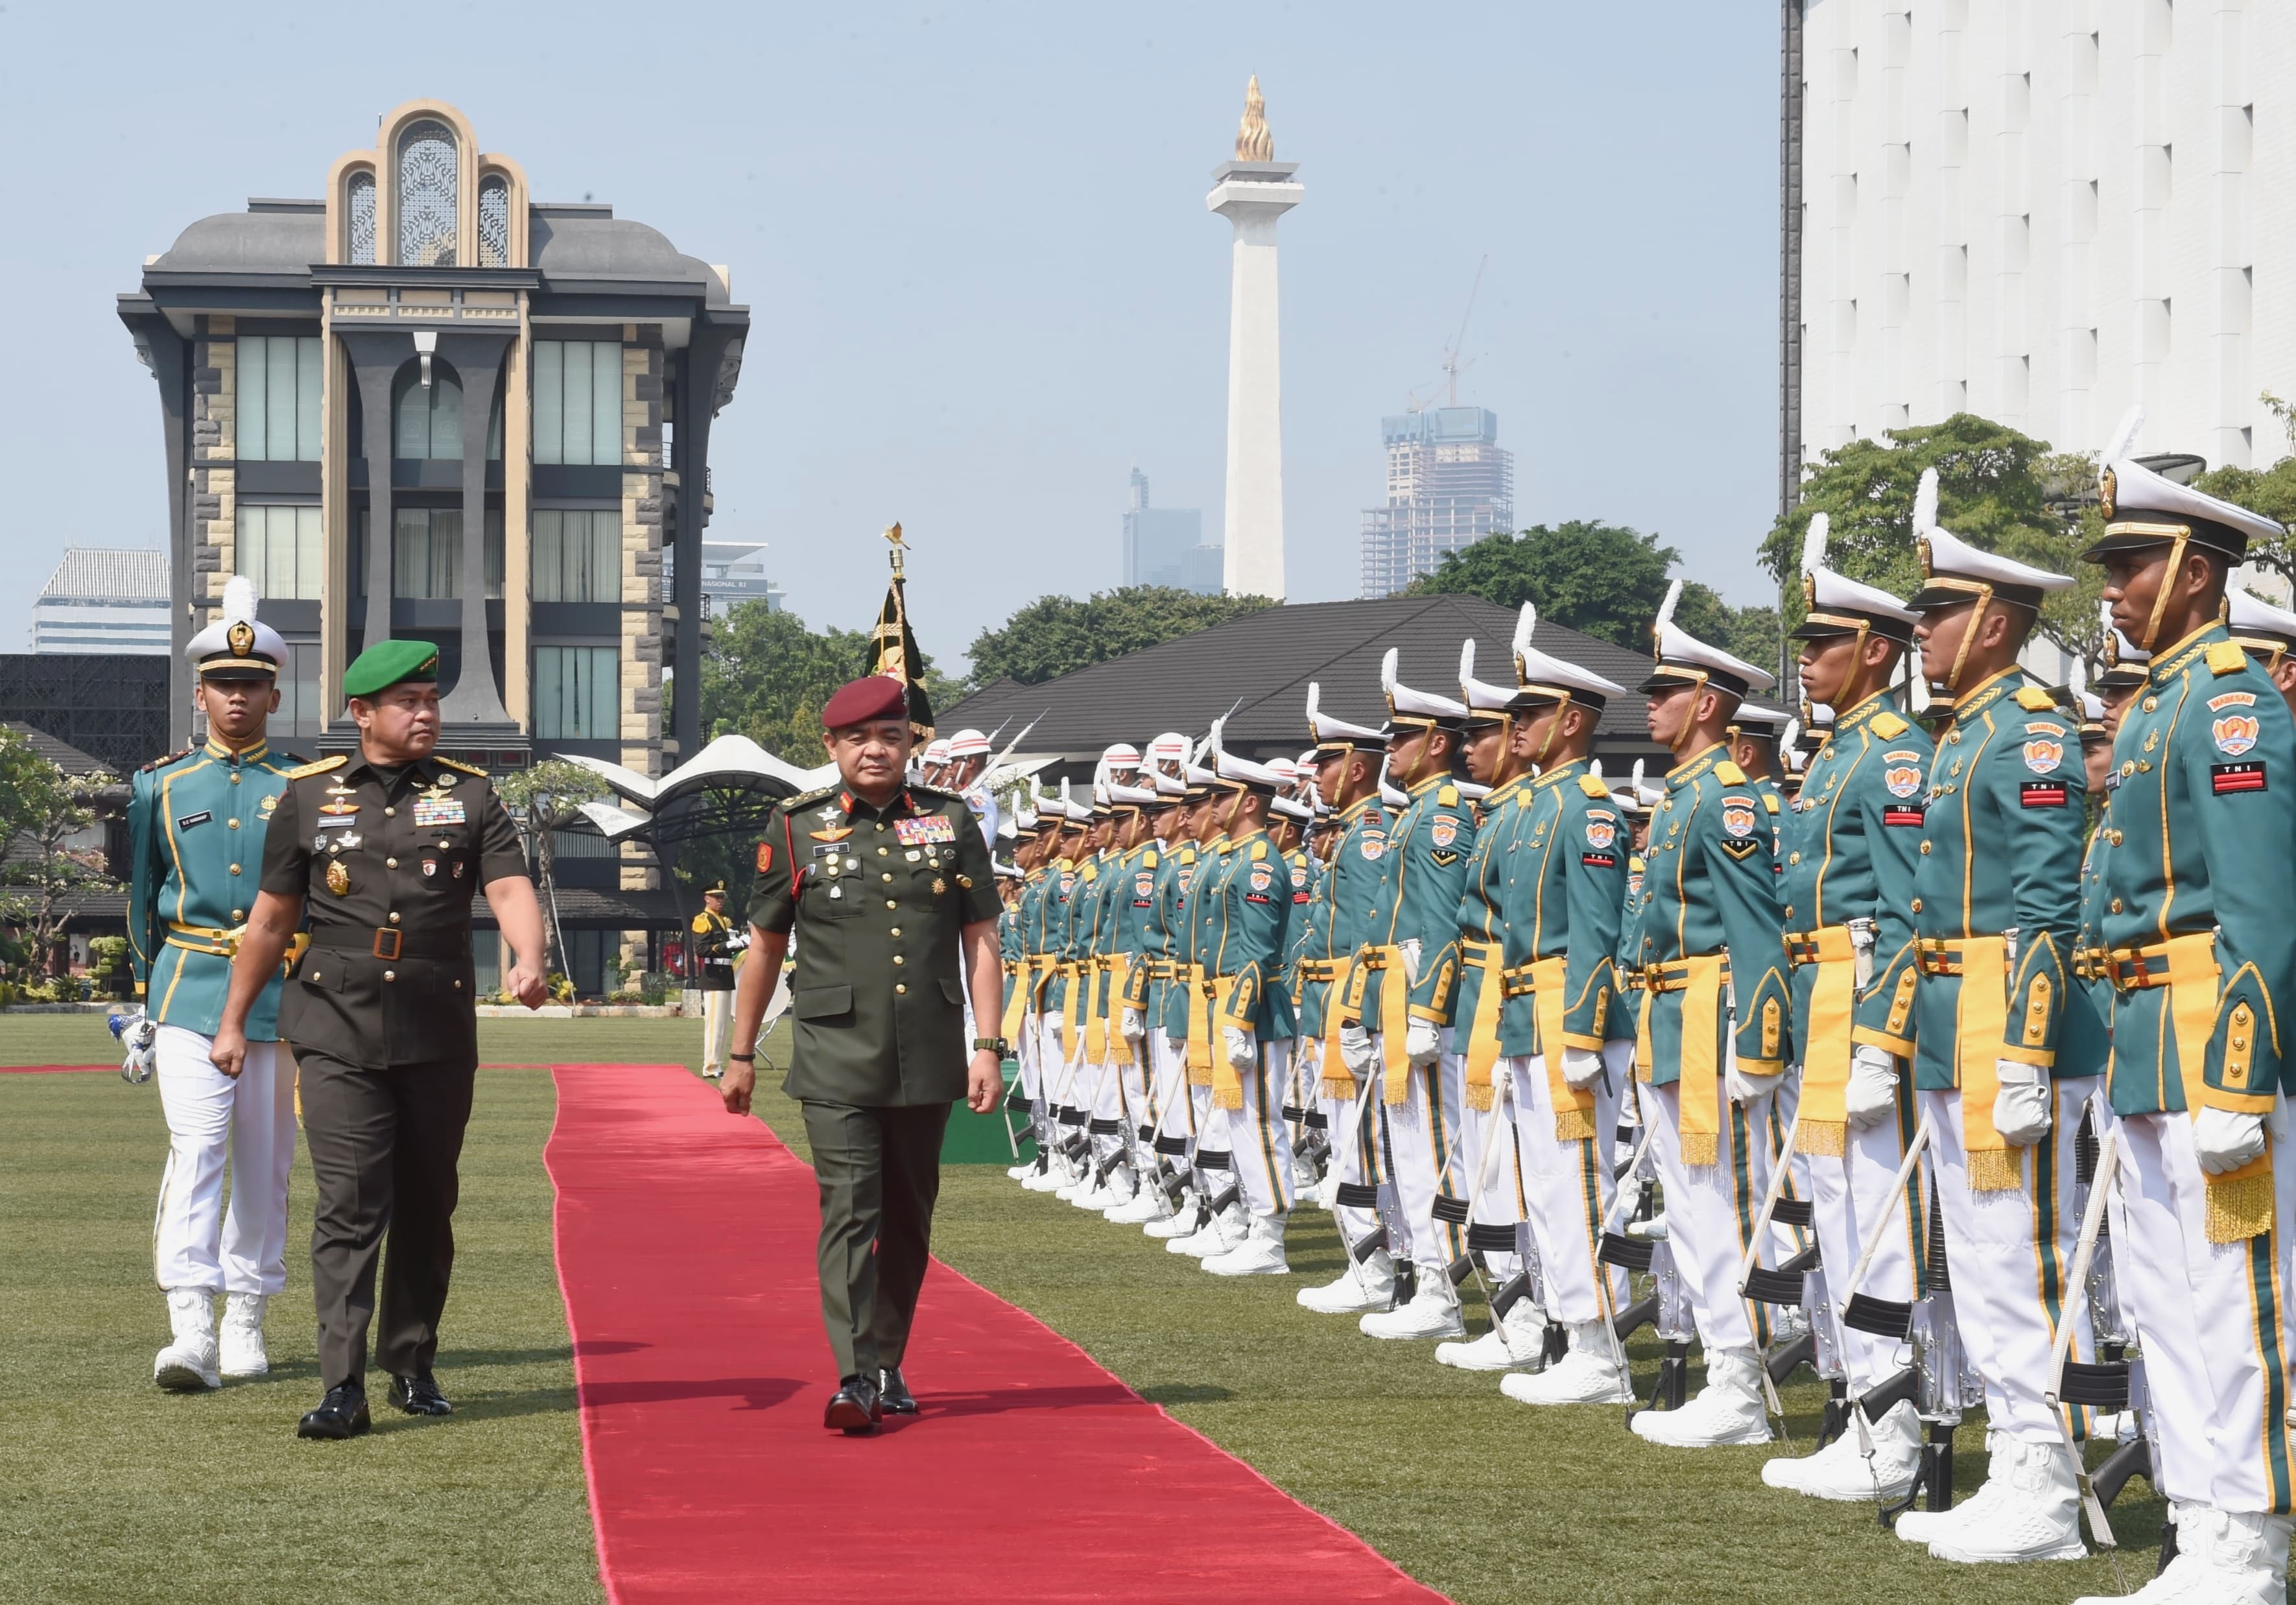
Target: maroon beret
(871,697)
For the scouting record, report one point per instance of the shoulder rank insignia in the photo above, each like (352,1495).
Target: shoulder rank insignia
(1448,796)
(1258,850)
(2033,699)
(308,770)
(447,763)
(1592,785)
(807,798)
(161,763)
(1770,801)
(2226,658)
(1729,773)
(1149,861)
(1887,725)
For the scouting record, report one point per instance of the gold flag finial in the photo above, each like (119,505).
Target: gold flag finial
(1253,141)
(900,548)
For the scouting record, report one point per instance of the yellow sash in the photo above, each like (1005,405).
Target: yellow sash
(1574,1106)
(1700,1090)
(1200,1026)
(2239,1201)
(1095,1030)
(1228,1081)
(1339,1081)
(1111,1025)
(1981,1014)
(1017,1003)
(1483,1030)
(1394,1020)
(1825,1053)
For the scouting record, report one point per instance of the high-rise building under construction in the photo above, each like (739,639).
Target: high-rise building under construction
(1449,485)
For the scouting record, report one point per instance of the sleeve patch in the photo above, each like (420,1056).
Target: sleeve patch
(2046,793)
(2224,778)
(1740,847)
(765,857)
(1904,813)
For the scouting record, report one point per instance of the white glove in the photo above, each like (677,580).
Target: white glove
(1132,1026)
(1053,1024)
(1581,1068)
(1872,1096)
(2021,1108)
(1423,1043)
(1354,1049)
(1411,960)
(1242,1046)
(2225,1141)
(1745,1086)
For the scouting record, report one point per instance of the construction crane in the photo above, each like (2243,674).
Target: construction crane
(1452,366)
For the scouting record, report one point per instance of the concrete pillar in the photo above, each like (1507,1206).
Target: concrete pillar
(1252,196)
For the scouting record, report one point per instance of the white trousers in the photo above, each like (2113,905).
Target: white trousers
(1496,1176)
(1711,1210)
(1355,1143)
(1423,1133)
(2008,1253)
(1032,1080)
(1260,1139)
(1789,1240)
(1851,1191)
(2211,1319)
(1175,1110)
(1567,1185)
(197,1241)
(1111,1099)
(716,1028)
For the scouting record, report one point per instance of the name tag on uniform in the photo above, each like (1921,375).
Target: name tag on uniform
(189,820)
(432,810)
(924,829)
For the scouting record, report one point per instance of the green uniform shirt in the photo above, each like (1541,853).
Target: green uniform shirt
(1625,1003)
(1346,899)
(1244,913)
(1423,874)
(1566,853)
(1168,922)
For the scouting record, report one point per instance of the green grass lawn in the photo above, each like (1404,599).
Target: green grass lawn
(112,1491)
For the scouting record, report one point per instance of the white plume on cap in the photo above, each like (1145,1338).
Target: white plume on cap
(1813,543)
(1525,622)
(2131,422)
(1925,498)
(239,600)
(1387,670)
(1466,660)
(1594,767)
(1638,775)
(1666,609)
(1315,697)
(1064,791)
(1792,734)
(1215,738)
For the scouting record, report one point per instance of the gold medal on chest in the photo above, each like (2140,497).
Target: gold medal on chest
(339,878)
(939,886)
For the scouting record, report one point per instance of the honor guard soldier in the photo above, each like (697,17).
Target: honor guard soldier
(715,944)
(1849,886)
(1166,1119)
(967,775)
(880,884)
(195,828)
(2267,634)
(1185,1107)
(2201,959)
(1996,915)
(1129,878)
(1210,1231)
(1709,933)
(380,854)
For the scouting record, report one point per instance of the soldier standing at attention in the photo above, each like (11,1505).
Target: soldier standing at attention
(714,946)
(195,825)
(882,885)
(381,851)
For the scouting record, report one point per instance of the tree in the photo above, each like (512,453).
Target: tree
(544,800)
(41,810)
(766,677)
(1603,580)
(2270,491)
(1055,636)
(1751,632)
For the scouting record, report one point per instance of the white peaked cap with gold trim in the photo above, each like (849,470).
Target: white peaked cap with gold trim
(1479,695)
(237,644)
(1681,656)
(1953,571)
(1838,605)
(1543,675)
(2253,616)
(1325,730)
(1237,771)
(2142,508)
(1417,709)
(1291,807)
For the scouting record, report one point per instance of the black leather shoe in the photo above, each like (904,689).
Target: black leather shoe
(419,1395)
(342,1414)
(893,1395)
(853,1409)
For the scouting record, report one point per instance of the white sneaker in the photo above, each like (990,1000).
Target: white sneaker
(1728,1410)
(1180,1223)
(1514,1344)
(1840,1470)
(1044,1181)
(1652,1230)
(2036,1517)
(1433,1312)
(2245,1557)
(1924,1526)
(1214,1239)
(1357,1290)
(1588,1374)
(1259,1254)
(189,1364)
(241,1345)
(2186,1580)
(1148,1204)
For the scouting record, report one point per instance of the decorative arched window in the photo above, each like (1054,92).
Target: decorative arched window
(493,221)
(426,424)
(429,187)
(361,218)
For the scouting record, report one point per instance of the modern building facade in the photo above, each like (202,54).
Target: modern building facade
(423,403)
(1165,545)
(2039,212)
(104,600)
(1449,483)
(734,572)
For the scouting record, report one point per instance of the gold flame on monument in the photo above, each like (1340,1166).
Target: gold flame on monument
(1253,141)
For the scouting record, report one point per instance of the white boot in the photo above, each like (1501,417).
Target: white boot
(188,1364)
(1840,1470)
(1327,1192)
(1051,1178)
(1923,1526)
(1728,1410)
(1304,1179)
(1360,1288)
(2036,1517)
(1433,1312)
(1259,1254)
(1513,1344)
(1220,1234)
(241,1343)
(1147,1203)
(2235,1559)
(1589,1374)
(2188,1579)
(1180,1223)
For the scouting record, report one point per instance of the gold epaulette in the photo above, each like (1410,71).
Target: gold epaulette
(2034,699)
(1148,859)
(1770,801)
(1593,786)
(448,763)
(805,798)
(1446,796)
(1887,725)
(1729,773)
(1258,851)
(321,767)
(935,791)
(161,763)
(2226,658)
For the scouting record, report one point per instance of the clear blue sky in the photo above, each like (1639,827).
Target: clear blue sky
(973,239)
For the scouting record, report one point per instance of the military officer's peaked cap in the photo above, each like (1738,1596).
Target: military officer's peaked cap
(1408,709)
(2129,667)
(1391,795)
(1954,573)
(1842,606)
(1120,795)
(1291,807)
(1682,658)
(1335,737)
(718,890)
(1762,722)
(871,697)
(237,646)
(1486,703)
(2144,509)
(968,743)
(2092,718)
(1241,775)
(1541,677)
(2259,626)
(390,663)
(1170,789)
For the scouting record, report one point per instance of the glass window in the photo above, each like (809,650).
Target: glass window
(577,554)
(576,693)
(428,195)
(494,222)
(279,549)
(361,218)
(299,714)
(426,557)
(278,398)
(427,424)
(497,565)
(578,401)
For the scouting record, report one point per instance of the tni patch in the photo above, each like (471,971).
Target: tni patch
(2225,778)
(2041,794)
(1901,815)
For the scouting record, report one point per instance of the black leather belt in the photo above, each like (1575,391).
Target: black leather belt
(389,942)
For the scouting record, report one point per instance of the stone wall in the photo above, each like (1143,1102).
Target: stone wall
(643,371)
(215,447)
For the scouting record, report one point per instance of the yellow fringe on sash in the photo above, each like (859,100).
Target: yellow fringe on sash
(1200,1028)
(1483,1030)
(2239,1202)
(1016,1005)
(1228,1081)
(1574,1106)
(1339,1081)
(1701,1090)
(1825,1126)
(1395,1025)
(1095,1029)
(1981,1013)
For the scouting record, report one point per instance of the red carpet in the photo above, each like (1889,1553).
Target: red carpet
(685,1245)
(56,1069)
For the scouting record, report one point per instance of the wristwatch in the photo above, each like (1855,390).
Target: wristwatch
(995,1045)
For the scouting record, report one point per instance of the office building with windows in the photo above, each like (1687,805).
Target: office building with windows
(423,403)
(1449,485)
(1165,545)
(104,600)
(734,572)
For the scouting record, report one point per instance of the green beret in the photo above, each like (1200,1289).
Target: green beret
(390,663)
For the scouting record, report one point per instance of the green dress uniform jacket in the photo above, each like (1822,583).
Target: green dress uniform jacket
(1244,917)
(1053,918)
(713,951)
(2088,1037)
(1565,897)
(1422,875)
(1626,995)
(387,860)
(1480,917)
(196,826)
(876,898)
(1173,876)
(1346,895)
(2200,882)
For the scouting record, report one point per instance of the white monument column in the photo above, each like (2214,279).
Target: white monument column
(1251,192)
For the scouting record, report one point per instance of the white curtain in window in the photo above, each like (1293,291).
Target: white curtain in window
(278,380)
(576,693)
(279,549)
(427,556)
(576,555)
(578,401)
